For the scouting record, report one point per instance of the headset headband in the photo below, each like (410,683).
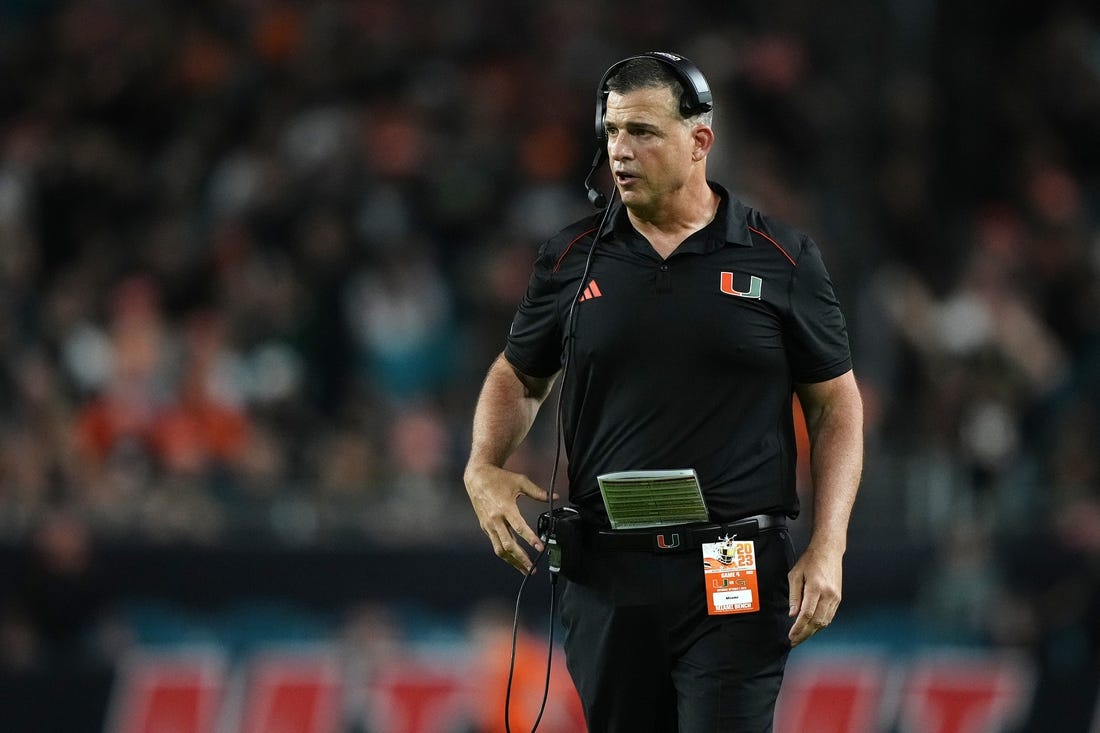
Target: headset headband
(695,100)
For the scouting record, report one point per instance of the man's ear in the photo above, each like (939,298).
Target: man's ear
(703,138)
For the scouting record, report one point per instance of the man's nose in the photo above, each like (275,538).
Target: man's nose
(618,148)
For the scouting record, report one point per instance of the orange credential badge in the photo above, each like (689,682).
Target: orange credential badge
(729,571)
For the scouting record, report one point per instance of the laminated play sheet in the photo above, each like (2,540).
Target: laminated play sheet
(637,499)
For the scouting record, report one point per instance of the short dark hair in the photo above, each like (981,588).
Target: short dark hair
(649,73)
(644,73)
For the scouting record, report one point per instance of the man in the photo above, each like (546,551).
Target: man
(682,337)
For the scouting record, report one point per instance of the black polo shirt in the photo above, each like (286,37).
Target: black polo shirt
(688,362)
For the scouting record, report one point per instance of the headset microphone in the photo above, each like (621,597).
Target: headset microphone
(596,198)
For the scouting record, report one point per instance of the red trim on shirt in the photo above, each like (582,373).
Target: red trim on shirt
(570,246)
(777,246)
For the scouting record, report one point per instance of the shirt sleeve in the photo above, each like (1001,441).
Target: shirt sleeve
(817,337)
(534,340)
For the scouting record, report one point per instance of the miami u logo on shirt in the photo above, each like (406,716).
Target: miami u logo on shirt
(756,286)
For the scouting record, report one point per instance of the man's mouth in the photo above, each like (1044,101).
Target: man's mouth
(622,177)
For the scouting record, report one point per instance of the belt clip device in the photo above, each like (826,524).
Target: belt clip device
(556,529)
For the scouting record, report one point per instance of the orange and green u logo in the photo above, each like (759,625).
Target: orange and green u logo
(673,541)
(756,286)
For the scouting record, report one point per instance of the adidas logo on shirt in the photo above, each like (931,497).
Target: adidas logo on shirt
(592,290)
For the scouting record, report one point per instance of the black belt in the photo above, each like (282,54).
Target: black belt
(681,537)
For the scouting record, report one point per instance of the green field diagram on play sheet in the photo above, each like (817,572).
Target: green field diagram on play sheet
(638,499)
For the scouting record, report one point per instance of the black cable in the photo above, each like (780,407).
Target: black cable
(570,329)
(549,653)
(515,636)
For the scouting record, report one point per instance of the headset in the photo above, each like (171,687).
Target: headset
(695,100)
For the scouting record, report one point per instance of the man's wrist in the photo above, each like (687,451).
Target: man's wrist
(829,540)
(473,467)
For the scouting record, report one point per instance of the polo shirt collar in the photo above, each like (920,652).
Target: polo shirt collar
(730,224)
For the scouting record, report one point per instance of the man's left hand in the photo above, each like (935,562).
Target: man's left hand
(815,582)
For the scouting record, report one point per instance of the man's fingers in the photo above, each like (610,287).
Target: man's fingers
(523,530)
(815,613)
(794,579)
(533,490)
(825,612)
(506,535)
(807,625)
(805,632)
(514,525)
(803,627)
(510,551)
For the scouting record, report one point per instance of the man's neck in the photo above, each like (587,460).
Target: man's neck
(683,215)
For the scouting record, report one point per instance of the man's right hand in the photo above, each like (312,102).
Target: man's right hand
(494,494)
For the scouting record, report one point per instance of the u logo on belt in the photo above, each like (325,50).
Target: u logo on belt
(667,542)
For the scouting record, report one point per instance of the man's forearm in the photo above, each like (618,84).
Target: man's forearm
(836,461)
(506,409)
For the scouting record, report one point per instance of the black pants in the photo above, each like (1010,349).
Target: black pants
(646,657)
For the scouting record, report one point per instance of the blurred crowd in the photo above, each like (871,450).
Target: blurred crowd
(256,256)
